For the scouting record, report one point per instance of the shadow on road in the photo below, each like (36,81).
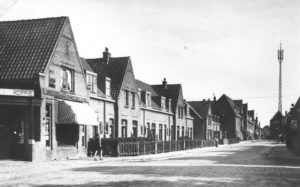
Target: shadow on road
(225,171)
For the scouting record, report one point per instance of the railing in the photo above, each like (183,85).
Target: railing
(140,147)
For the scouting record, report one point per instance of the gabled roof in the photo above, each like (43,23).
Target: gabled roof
(172,91)
(115,69)
(146,87)
(87,67)
(201,107)
(26,46)
(230,102)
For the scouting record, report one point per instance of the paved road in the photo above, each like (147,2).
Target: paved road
(244,164)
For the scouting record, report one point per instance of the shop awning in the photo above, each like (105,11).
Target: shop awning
(76,113)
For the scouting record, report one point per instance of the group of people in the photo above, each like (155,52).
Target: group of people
(94,147)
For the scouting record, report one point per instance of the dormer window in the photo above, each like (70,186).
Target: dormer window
(139,93)
(148,99)
(67,79)
(163,103)
(170,105)
(51,78)
(91,81)
(107,87)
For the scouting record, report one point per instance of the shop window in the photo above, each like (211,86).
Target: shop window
(124,129)
(178,131)
(83,135)
(67,76)
(67,134)
(51,78)
(48,125)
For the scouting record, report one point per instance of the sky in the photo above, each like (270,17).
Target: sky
(208,46)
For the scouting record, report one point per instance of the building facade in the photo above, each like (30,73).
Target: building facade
(123,90)
(230,117)
(156,113)
(209,126)
(45,112)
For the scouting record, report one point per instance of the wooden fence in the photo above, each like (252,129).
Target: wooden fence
(152,147)
(113,147)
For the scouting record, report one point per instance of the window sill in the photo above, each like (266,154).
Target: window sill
(126,106)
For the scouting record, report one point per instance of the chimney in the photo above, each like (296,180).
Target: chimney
(106,55)
(164,83)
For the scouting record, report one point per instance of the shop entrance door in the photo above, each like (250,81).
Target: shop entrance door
(4,141)
(12,122)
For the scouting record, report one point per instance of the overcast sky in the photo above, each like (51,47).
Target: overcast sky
(224,46)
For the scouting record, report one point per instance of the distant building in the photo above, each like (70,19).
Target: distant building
(231,117)
(248,121)
(293,128)
(276,125)
(207,122)
(183,122)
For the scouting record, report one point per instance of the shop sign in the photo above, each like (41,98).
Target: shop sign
(17,92)
(64,96)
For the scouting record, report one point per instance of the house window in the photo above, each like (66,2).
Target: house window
(181,112)
(51,79)
(165,132)
(178,109)
(153,133)
(178,131)
(67,76)
(111,124)
(163,103)
(139,93)
(107,86)
(126,98)
(148,129)
(182,131)
(160,131)
(124,129)
(91,81)
(133,100)
(134,128)
(148,99)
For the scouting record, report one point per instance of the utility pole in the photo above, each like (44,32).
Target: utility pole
(280,59)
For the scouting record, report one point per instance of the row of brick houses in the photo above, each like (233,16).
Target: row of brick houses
(52,101)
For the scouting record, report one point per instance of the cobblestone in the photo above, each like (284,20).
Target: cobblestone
(243,164)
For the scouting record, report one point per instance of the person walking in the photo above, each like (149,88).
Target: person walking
(97,148)
(216,141)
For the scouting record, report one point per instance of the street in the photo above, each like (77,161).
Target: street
(244,164)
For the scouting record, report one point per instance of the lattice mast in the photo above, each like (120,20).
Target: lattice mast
(280,59)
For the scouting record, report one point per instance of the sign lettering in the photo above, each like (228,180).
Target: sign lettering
(17,92)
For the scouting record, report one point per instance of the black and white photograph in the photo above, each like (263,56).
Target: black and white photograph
(150,93)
